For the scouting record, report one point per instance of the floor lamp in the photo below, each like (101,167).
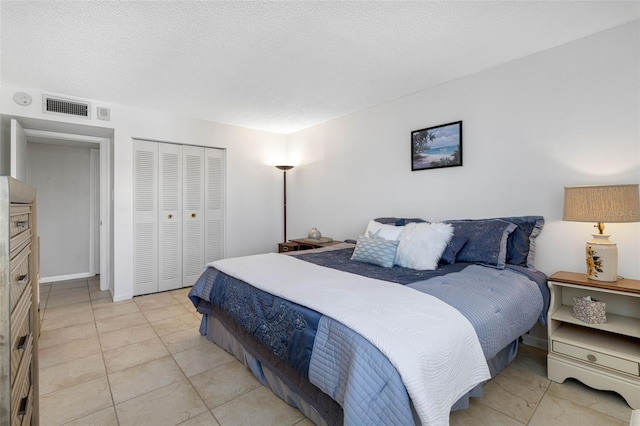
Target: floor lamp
(284,171)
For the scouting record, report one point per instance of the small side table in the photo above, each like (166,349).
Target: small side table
(304,244)
(604,356)
(309,243)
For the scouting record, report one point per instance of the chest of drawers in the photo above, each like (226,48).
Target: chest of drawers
(19,320)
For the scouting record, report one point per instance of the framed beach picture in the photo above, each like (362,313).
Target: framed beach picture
(437,147)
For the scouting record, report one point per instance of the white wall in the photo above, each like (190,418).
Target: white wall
(563,117)
(254,186)
(566,116)
(61,175)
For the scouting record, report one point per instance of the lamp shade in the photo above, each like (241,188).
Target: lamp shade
(602,203)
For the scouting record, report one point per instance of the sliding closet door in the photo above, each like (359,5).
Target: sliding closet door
(193,214)
(145,217)
(170,217)
(214,203)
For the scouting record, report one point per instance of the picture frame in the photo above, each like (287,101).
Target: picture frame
(437,147)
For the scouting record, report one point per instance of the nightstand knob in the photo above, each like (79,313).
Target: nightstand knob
(592,358)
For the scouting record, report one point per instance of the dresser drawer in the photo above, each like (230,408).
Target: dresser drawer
(597,358)
(20,275)
(20,219)
(21,352)
(20,327)
(22,401)
(25,411)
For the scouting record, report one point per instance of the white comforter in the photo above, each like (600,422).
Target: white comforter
(433,347)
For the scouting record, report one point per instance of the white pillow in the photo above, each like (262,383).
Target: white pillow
(422,244)
(381,230)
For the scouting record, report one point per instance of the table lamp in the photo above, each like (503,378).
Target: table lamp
(602,203)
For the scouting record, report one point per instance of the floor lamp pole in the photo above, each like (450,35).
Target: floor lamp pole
(284,174)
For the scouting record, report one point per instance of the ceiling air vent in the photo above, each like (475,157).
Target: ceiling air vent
(60,106)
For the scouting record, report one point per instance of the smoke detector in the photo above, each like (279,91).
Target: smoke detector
(22,98)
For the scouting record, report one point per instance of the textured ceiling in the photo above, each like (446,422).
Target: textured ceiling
(278,66)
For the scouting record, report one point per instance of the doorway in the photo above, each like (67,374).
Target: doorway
(56,141)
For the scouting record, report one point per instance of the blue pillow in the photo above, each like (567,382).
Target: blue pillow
(453,248)
(521,245)
(486,240)
(376,251)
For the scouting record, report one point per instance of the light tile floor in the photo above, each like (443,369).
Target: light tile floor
(143,362)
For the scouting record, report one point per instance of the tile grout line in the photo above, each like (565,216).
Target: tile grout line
(104,362)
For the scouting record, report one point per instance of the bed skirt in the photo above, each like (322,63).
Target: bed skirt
(298,392)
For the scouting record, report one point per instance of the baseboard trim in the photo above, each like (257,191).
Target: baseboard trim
(66,277)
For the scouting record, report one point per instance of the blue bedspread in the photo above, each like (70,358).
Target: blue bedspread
(500,304)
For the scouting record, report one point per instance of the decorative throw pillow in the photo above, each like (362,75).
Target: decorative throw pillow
(487,240)
(521,244)
(422,244)
(379,230)
(376,251)
(453,248)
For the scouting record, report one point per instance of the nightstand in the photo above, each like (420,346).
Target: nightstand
(305,244)
(603,356)
(310,243)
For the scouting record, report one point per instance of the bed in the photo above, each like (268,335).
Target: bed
(401,326)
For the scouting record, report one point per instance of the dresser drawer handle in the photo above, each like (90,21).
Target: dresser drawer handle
(24,404)
(592,358)
(21,223)
(22,343)
(22,279)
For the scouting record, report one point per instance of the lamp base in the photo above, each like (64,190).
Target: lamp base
(602,259)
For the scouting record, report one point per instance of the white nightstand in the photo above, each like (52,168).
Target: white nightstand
(603,356)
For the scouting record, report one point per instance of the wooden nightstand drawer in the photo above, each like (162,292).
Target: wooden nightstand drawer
(597,358)
(288,246)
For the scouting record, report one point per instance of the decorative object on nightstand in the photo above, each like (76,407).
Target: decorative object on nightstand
(602,355)
(589,310)
(314,234)
(284,171)
(602,203)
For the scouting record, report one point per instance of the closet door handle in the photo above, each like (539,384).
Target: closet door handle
(22,279)
(170,216)
(193,215)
